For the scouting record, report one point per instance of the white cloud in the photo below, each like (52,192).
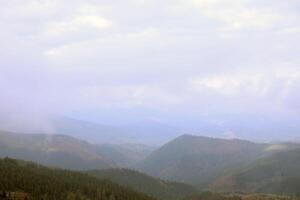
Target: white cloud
(228,84)
(254,83)
(77,24)
(236,15)
(109,46)
(290,31)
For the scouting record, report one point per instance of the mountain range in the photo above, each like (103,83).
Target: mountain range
(178,169)
(68,152)
(155,132)
(147,132)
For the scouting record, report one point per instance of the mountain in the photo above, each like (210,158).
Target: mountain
(24,180)
(278,173)
(160,189)
(198,160)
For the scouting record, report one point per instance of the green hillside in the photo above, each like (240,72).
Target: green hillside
(164,190)
(198,160)
(279,173)
(31,181)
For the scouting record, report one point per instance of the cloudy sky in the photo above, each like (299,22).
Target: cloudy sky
(172,61)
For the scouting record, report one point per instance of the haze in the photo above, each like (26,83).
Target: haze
(223,68)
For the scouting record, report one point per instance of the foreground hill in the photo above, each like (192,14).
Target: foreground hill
(199,160)
(36,182)
(279,173)
(164,190)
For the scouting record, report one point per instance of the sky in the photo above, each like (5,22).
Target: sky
(179,62)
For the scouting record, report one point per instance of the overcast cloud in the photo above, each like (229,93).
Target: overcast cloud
(172,60)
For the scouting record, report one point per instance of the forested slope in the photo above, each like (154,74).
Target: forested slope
(39,182)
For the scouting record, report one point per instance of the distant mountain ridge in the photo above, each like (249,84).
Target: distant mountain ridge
(148,132)
(89,131)
(66,151)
